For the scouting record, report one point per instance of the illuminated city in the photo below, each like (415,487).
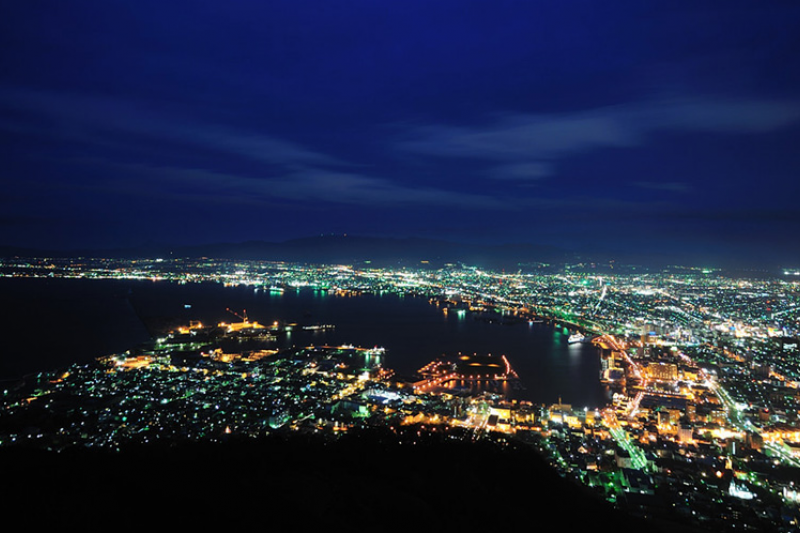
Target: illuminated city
(400,266)
(703,420)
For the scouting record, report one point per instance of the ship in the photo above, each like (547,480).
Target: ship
(575,338)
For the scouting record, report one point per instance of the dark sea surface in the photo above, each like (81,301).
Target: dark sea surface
(51,323)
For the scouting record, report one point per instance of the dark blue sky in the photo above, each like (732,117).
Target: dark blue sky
(622,126)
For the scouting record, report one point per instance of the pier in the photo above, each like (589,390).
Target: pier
(466,368)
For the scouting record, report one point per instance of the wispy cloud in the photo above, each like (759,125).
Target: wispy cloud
(308,185)
(521,137)
(365,190)
(530,145)
(281,170)
(519,149)
(103,121)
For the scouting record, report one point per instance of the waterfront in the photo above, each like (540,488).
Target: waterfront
(705,427)
(56,322)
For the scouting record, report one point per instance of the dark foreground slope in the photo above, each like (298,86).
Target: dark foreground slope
(367,482)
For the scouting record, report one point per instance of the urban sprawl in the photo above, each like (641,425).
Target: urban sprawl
(703,427)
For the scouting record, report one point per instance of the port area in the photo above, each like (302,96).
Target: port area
(446,373)
(224,341)
(207,382)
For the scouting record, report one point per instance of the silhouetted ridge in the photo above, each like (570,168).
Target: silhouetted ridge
(334,249)
(366,478)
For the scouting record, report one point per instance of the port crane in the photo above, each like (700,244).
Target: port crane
(243,316)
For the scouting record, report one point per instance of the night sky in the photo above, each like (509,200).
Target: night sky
(618,126)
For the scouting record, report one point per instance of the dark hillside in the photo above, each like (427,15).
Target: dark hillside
(366,482)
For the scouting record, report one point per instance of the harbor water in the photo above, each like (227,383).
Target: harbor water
(51,323)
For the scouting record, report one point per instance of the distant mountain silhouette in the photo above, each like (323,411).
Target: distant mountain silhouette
(387,252)
(334,249)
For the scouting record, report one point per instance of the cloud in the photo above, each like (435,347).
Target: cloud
(277,170)
(307,185)
(103,121)
(370,191)
(521,137)
(723,116)
(516,142)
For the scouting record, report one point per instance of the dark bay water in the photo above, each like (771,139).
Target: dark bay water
(52,323)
